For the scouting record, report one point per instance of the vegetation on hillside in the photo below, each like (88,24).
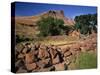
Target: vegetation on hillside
(52,26)
(86,23)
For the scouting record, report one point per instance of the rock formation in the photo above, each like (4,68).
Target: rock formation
(31,20)
(39,57)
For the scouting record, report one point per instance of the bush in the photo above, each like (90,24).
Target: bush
(50,26)
(86,23)
(21,38)
(86,61)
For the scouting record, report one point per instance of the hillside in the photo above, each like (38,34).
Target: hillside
(26,25)
(31,20)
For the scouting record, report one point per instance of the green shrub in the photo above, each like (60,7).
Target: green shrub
(86,23)
(86,61)
(21,38)
(50,26)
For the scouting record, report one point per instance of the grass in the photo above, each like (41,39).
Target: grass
(51,40)
(29,34)
(26,31)
(87,61)
(57,41)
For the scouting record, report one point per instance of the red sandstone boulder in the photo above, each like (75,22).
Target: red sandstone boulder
(44,63)
(43,53)
(29,58)
(60,67)
(31,66)
(68,53)
(56,60)
(53,53)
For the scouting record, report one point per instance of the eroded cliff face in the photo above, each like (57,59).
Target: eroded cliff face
(60,15)
(31,20)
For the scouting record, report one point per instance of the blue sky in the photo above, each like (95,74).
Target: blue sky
(30,9)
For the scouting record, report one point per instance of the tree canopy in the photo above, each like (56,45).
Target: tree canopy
(86,23)
(51,26)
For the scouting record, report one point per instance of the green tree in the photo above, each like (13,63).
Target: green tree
(50,26)
(86,23)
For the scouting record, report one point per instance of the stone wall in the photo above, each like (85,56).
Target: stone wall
(39,58)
